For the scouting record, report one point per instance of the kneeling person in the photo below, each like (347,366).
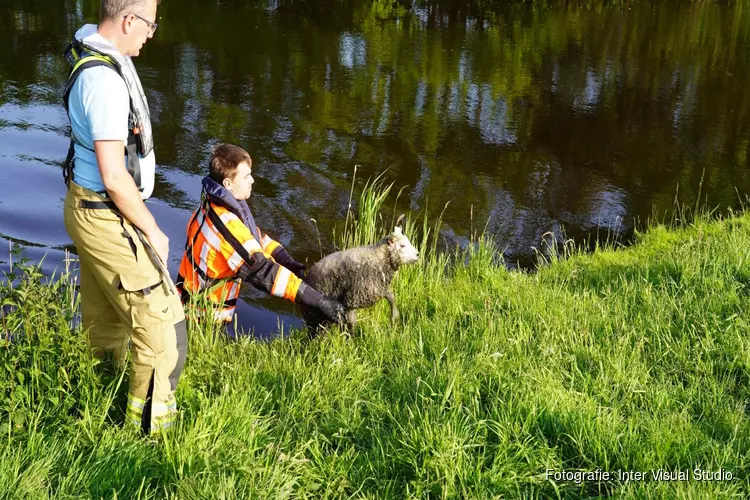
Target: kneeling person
(225,246)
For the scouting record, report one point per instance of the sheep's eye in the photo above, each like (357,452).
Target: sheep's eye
(402,245)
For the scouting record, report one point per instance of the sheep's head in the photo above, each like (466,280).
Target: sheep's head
(401,248)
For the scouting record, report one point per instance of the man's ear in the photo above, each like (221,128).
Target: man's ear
(226,183)
(126,24)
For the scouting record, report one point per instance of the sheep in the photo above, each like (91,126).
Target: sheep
(359,277)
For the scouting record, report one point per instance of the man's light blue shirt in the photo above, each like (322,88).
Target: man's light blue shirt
(99,106)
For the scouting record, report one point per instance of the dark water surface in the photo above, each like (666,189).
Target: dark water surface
(535,119)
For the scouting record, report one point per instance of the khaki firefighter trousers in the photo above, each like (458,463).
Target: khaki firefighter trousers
(124,298)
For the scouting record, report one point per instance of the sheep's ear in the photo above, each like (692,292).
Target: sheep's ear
(392,240)
(397,231)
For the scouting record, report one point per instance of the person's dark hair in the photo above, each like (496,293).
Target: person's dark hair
(224,161)
(112,9)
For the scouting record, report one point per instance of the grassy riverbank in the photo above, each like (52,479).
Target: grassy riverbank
(628,359)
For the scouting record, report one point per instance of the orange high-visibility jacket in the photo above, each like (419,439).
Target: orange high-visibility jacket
(222,251)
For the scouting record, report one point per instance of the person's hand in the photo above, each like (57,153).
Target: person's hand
(160,243)
(332,308)
(298,268)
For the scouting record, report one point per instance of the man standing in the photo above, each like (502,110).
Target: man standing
(125,293)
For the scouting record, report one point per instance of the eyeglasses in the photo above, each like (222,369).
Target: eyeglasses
(152,26)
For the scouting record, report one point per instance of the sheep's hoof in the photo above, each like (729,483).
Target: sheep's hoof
(395,317)
(351,319)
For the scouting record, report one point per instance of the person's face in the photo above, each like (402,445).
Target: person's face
(241,185)
(140,26)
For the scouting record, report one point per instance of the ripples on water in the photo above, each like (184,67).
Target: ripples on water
(553,118)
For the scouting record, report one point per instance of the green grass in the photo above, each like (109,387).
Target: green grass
(631,359)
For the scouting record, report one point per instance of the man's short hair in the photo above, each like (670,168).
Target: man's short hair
(224,161)
(112,9)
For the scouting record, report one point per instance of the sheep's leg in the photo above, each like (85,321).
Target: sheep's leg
(314,321)
(351,319)
(394,310)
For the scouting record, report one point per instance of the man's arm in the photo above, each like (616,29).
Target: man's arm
(252,264)
(110,156)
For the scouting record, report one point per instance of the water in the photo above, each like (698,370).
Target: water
(555,118)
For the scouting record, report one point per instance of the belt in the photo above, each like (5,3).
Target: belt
(144,291)
(99,205)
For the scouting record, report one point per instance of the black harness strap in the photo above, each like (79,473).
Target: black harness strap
(133,164)
(67,167)
(227,235)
